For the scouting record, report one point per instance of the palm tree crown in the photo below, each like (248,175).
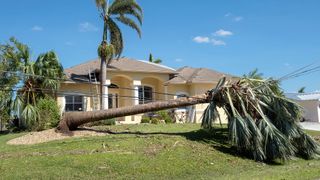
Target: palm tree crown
(156,61)
(119,11)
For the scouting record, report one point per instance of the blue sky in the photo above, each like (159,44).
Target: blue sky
(232,36)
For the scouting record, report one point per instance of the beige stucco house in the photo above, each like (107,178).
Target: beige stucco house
(310,102)
(132,82)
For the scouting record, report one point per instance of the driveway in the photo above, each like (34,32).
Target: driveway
(311,126)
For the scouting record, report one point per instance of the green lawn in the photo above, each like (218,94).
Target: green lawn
(143,152)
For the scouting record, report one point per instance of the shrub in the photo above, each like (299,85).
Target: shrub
(106,122)
(145,119)
(165,116)
(155,121)
(4,117)
(49,114)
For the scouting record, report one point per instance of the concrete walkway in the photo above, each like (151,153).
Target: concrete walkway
(311,126)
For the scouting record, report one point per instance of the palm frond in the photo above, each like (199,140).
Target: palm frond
(30,114)
(118,5)
(129,22)
(262,122)
(101,5)
(115,37)
(126,7)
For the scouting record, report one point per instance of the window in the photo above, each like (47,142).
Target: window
(113,101)
(145,94)
(74,103)
(182,95)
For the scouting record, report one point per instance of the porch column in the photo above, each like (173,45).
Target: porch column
(136,84)
(105,96)
(166,93)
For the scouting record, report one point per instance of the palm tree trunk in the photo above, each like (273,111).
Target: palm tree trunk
(71,120)
(103,78)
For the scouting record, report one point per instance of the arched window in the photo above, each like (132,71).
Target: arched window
(145,94)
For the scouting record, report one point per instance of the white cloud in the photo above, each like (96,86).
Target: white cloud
(238,18)
(223,33)
(87,27)
(201,39)
(68,43)
(233,17)
(228,15)
(216,42)
(288,65)
(178,60)
(37,28)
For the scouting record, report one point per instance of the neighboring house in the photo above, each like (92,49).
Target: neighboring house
(132,82)
(310,103)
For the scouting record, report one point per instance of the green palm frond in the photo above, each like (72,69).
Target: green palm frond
(157,61)
(101,5)
(30,114)
(262,122)
(121,6)
(129,22)
(115,37)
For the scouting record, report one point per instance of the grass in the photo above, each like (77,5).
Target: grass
(143,152)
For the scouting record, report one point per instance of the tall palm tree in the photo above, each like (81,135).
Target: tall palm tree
(111,45)
(156,61)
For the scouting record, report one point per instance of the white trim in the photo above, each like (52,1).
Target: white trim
(136,82)
(159,65)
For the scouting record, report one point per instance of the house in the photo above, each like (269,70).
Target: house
(132,82)
(310,103)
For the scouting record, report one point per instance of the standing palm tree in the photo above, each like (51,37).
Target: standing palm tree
(156,61)
(39,78)
(112,41)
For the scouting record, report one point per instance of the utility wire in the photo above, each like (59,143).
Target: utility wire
(88,83)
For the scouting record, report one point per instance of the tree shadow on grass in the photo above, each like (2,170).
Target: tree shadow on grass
(217,138)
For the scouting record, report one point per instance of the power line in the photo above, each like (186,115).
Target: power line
(301,72)
(88,83)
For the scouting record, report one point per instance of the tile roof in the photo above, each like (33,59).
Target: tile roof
(123,64)
(197,75)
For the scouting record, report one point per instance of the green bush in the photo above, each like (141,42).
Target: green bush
(155,121)
(145,119)
(106,122)
(165,116)
(49,114)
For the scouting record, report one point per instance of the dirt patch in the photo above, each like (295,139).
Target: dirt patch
(51,135)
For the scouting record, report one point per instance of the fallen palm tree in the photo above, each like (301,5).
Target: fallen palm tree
(262,122)
(72,120)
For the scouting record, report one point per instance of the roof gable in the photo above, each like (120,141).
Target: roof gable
(197,75)
(123,64)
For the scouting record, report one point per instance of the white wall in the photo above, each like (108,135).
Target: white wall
(318,111)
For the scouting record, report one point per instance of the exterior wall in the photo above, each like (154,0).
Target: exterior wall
(318,112)
(128,80)
(196,89)
(311,110)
